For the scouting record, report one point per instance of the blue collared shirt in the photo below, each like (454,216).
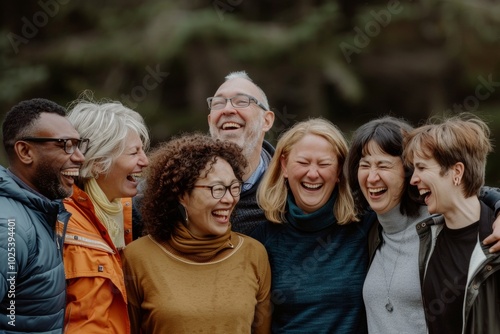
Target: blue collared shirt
(248,184)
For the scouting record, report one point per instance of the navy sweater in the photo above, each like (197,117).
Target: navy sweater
(247,214)
(318,269)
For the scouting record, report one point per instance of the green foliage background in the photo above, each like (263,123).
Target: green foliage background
(348,61)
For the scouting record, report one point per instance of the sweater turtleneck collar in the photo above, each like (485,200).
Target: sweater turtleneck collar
(394,221)
(200,249)
(314,221)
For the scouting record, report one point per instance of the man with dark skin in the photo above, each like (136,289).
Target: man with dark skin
(45,153)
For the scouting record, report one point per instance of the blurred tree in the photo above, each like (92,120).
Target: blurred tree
(348,61)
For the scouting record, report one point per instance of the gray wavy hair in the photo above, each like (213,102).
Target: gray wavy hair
(106,124)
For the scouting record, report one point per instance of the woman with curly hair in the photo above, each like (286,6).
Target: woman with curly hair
(191,273)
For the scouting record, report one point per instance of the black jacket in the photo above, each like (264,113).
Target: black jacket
(481,312)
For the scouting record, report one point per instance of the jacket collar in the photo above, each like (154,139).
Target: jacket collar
(12,187)
(486,219)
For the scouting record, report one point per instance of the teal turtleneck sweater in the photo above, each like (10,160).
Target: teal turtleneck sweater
(318,268)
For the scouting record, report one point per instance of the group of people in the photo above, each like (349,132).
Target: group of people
(394,233)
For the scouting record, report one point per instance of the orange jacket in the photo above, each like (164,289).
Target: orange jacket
(96,299)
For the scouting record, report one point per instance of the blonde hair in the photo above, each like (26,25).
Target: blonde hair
(272,191)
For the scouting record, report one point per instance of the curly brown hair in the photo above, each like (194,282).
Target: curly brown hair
(173,170)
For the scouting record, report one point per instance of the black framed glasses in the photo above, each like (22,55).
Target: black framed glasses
(70,144)
(219,190)
(237,101)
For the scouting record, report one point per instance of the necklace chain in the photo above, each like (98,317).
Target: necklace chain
(388,306)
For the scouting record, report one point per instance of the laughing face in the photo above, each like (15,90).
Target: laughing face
(121,180)
(434,186)
(312,170)
(54,169)
(207,216)
(244,126)
(381,178)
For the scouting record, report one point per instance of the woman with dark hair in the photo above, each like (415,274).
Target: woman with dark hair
(380,181)
(191,273)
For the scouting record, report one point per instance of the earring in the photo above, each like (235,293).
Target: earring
(456,181)
(183,212)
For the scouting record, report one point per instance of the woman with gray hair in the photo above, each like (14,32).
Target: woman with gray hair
(101,221)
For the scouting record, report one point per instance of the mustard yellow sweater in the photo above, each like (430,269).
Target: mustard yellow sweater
(170,294)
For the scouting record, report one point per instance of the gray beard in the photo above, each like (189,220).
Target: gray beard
(249,147)
(249,143)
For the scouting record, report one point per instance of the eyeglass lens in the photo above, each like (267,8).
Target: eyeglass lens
(218,191)
(71,144)
(238,101)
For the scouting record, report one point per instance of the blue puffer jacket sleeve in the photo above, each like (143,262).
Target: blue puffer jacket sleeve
(32,281)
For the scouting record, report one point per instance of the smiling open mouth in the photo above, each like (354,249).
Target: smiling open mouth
(424,194)
(71,172)
(230,126)
(222,216)
(377,191)
(311,186)
(134,176)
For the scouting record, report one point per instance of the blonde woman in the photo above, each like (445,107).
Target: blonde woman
(316,245)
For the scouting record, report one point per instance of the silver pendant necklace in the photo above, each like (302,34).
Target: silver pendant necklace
(388,306)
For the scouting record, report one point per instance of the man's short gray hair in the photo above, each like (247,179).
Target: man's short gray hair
(244,75)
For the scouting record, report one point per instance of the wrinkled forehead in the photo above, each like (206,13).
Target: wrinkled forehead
(238,86)
(54,126)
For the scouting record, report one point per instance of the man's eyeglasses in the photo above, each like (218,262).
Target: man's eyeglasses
(219,190)
(70,144)
(237,101)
